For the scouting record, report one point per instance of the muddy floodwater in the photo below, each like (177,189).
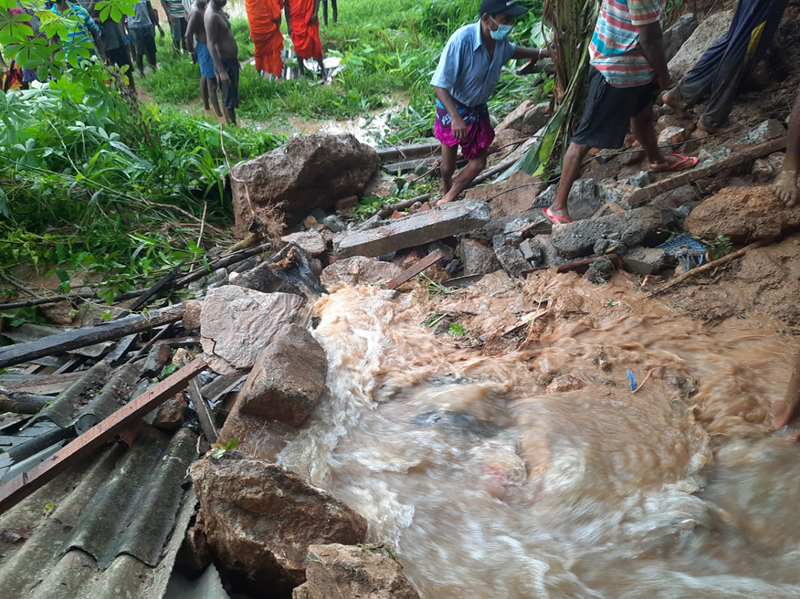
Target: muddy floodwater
(518,463)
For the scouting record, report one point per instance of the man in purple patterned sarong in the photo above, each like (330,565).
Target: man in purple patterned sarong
(468,72)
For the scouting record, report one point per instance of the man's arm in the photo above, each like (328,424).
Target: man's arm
(165,6)
(213,30)
(457,124)
(195,21)
(522,52)
(652,45)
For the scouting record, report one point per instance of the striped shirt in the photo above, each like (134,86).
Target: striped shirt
(80,28)
(176,8)
(615,50)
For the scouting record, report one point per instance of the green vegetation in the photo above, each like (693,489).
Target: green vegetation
(389,51)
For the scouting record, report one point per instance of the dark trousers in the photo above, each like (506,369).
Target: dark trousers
(719,73)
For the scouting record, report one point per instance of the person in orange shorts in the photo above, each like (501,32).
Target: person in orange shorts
(264,17)
(302,21)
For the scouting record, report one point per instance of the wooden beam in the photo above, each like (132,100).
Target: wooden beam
(69,340)
(732,161)
(204,414)
(415,269)
(26,483)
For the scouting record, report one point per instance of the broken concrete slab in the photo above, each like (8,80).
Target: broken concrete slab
(311,241)
(237,323)
(584,199)
(579,238)
(416,229)
(644,261)
(364,572)
(287,379)
(260,518)
(506,248)
(310,171)
(708,31)
(744,215)
(476,258)
(360,270)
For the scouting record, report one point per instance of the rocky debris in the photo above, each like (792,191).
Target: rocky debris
(61,313)
(506,248)
(744,215)
(579,238)
(237,323)
(191,315)
(476,258)
(509,198)
(346,204)
(287,379)
(289,271)
(564,383)
(762,170)
(584,199)
(707,32)
(172,413)
(641,179)
(311,242)
(310,171)
(600,270)
(644,261)
(416,229)
(359,270)
(707,156)
(506,140)
(615,192)
(364,572)
(676,35)
(764,131)
(527,118)
(260,518)
(194,555)
(334,223)
(672,136)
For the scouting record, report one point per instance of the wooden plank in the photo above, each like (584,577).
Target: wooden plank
(23,485)
(70,340)
(415,269)
(204,414)
(732,161)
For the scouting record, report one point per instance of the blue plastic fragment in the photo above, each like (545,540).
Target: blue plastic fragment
(633,380)
(686,249)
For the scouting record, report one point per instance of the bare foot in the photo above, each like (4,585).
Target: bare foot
(448,197)
(785,187)
(672,99)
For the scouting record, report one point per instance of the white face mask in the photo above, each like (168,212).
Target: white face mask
(502,32)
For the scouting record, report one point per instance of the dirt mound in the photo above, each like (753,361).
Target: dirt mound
(765,281)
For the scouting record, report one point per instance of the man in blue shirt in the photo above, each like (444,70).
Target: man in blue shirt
(468,72)
(80,28)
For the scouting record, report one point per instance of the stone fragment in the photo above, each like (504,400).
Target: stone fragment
(509,255)
(309,222)
(237,323)
(762,170)
(708,156)
(191,316)
(194,555)
(531,251)
(707,32)
(310,171)
(346,204)
(359,270)
(616,192)
(578,238)
(260,518)
(764,131)
(546,197)
(564,383)
(744,215)
(416,229)
(311,241)
(334,223)
(347,572)
(672,136)
(287,379)
(61,313)
(641,179)
(644,261)
(527,118)
(677,34)
(288,271)
(171,414)
(583,200)
(476,258)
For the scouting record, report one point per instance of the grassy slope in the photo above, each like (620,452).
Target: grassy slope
(389,48)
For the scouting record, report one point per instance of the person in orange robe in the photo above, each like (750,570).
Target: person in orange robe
(264,18)
(302,21)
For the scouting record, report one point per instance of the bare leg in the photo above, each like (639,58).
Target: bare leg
(448,168)
(786,410)
(645,132)
(325,13)
(786,183)
(204,93)
(465,177)
(570,171)
(212,95)
(335,12)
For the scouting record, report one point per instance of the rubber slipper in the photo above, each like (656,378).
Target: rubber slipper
(555,219)
(684,163)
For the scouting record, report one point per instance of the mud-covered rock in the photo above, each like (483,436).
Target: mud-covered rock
(287,379)
(743,214)
(578,238)
(312,242)
(171,414)
(347,572)
(236,324)
(311,171)
(359,270)
(260,518)
(191,314)
(527,118)
(476,258)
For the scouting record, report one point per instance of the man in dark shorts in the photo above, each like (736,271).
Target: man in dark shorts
(225,54)
(196,31)
(141,27)
(628,68)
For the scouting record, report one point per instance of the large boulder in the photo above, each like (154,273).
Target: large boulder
(311,171)
(287,379)
(348,572)
(709,31)
(744,215)
(677,34)
(236,324)
(260,518)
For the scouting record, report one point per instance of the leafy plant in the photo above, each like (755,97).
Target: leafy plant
(218,450)
(456,330)
(719,247)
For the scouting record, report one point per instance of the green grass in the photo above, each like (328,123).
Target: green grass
(389,49)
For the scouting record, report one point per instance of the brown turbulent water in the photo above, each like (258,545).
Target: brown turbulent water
(519,464)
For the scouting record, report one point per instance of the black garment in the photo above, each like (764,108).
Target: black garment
(230,93)
(607,117)
(144,40)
